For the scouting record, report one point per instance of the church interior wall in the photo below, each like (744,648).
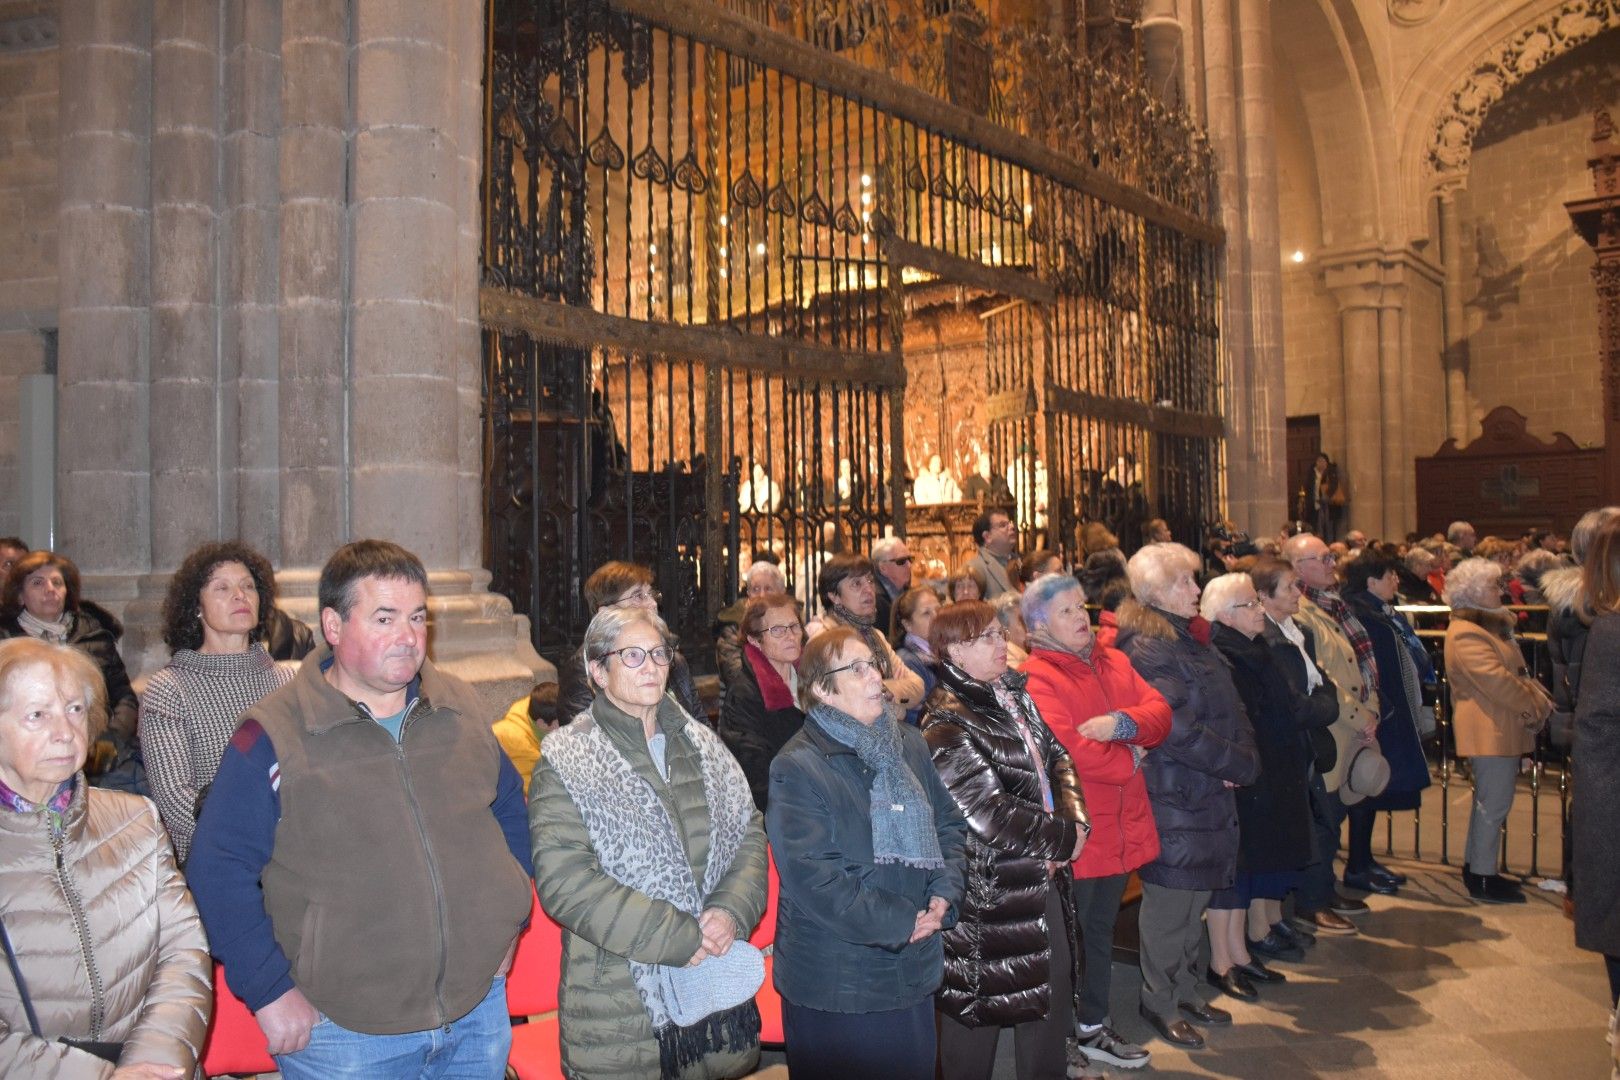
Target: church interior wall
(28,199)
(1531,306)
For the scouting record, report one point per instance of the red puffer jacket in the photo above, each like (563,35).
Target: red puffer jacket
(1069,691)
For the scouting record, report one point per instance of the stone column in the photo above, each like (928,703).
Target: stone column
(1361,462)
(313,258)
(1458,421)
(104,241)
(249,257)
(192,438)
(1161,49)
(1392,364)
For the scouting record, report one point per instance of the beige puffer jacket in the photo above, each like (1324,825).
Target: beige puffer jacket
(109,944)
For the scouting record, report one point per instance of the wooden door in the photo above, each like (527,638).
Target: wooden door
(1304,443)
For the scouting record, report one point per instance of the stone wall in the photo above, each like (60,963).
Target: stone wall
(28,175)
(1531,307)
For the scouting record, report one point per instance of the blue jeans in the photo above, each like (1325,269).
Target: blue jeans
(472,1048)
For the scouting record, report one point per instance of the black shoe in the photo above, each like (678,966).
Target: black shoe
(1203,1013)
(1174,1032)
(1106,1046)
(1475,884)
(1256,972)
(1344,905)
(1278,947)
(1234,982)
(1499,890)
(1394,875)
(1367,881)
(1294,934)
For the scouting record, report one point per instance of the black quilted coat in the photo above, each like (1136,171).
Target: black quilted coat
(998,955)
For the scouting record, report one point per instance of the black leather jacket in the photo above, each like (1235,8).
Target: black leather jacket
(1001,938)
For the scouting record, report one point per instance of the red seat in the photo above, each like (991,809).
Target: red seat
(768,1000)
(765,932)
(531,989)
(234,1044)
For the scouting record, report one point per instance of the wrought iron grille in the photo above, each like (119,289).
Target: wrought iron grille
(702,222)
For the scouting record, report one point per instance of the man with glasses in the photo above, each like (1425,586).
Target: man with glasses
(892,559)
(997,537)
(620,585)
(1344,654)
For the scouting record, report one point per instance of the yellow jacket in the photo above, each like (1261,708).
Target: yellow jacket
(517,737)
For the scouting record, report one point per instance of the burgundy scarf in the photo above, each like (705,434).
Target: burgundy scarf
(772,687)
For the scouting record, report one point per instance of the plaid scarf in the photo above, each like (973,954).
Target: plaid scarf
(1339,612)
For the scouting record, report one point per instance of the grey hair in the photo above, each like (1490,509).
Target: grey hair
(1154,566)
(1586,530)
(886,547)
(1221,593)
(1420,561)
(1042,592)
(1474,583)
(759,568)
(610,623)
(1455,529)
(1532,564)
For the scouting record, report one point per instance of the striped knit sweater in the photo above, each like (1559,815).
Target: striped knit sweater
(188,713)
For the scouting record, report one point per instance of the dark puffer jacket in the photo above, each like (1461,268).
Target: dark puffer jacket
(1210,744)
(998,956)
(1274,813)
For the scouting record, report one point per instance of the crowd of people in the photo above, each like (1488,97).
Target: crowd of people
(955,782)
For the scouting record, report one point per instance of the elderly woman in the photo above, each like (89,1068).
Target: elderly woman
(622,586)
(1496,710)
(1011,617)
(968,583)
(868,845)
(215,618)
(1009,960)
(1274,813)
(109,971)
(761,711)
(1107,718)
(42,600)
(1368,584)
(848,589)
(913,618)
(1293,650)
(762,579)
(649,853)
(1190,777)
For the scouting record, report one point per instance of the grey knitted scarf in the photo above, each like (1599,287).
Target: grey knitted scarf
(903,828)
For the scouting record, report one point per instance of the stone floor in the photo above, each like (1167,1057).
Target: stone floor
(1435,986)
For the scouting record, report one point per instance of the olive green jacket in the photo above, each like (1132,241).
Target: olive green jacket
(605,1030)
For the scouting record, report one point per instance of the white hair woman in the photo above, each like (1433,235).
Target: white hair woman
(109,970)
(1009,613)
(1274,813)
(650,854)
(1210,750)
(1496,710)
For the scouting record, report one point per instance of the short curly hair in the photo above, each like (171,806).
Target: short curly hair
(182,606)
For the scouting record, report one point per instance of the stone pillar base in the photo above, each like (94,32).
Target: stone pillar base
(473,632)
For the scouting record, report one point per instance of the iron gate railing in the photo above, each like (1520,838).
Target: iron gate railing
(701,224)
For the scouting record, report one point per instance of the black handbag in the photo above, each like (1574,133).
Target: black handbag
(106,1051)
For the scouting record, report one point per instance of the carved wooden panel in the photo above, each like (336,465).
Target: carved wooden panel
(1508,480)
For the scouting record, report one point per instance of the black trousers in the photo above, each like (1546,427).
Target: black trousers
(1039,1046)
(1096,909)
(1316,882)
(895,1043)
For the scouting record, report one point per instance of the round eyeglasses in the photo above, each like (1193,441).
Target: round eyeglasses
(786,629)
(638,597)
(633,656)
(992,635)
(860,667)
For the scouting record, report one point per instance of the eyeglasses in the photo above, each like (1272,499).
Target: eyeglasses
(904,560)
(992,635)
(861,668)
(1246,604)
(638,596)
(783,630)
(633,656)
(1325,557)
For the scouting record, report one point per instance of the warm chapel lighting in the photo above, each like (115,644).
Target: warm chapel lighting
(724,220)
(652,249)
(866,198)
(722,253)
(759,248)
(1299,256)
(866,181)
